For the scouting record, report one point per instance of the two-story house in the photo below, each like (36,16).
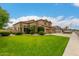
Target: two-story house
(23,25)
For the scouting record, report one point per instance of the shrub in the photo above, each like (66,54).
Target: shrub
(31,32)
(18,33)
(41,32)
(4,33)
(13,32)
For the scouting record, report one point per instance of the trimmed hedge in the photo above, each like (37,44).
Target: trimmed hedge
(5,33)
(41,32)
(18,33)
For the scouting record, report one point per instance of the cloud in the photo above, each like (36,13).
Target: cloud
(70,22)
(59,18)
(26,18)
(76,4)
(56,21)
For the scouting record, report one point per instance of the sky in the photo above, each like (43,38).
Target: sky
(60,14)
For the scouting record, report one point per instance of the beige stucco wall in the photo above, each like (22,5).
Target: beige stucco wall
(40,23)
(24,25)
(33,24)
(16,27)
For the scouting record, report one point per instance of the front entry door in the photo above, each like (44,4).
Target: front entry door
(26,30)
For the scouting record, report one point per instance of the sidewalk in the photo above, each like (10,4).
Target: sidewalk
(60,34)
(72,48)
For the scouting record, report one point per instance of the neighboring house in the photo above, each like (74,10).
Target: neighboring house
(56,29)
(67,30)
(23,25)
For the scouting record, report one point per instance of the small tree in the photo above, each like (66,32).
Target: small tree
(32,29)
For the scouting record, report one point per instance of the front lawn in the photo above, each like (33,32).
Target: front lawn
(28,45)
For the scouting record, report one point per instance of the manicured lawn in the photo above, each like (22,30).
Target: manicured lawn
(27,45)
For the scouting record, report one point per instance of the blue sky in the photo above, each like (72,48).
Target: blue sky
(41,9)
(65,11)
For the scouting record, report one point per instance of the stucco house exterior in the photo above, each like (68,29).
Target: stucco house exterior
(23,25)
(56,29)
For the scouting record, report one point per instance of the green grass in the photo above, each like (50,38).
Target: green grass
(27,45)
